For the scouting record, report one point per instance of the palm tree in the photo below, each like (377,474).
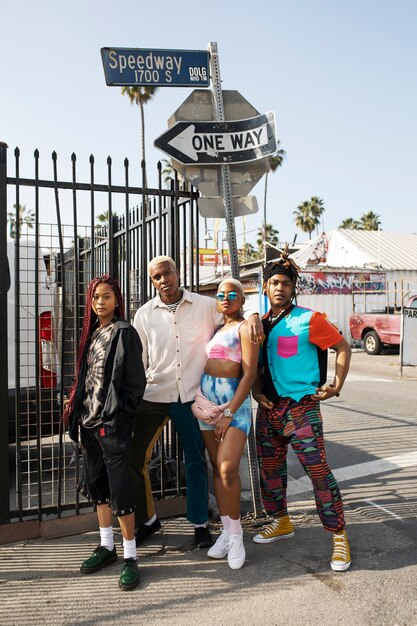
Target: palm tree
(248,253)
(103,218)
(316,209)
(168,172)
(304,218)
(275,162)
(369,221)
(140,96)
(350,224)
(268,234)
(26,216)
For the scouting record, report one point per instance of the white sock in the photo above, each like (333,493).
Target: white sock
(151,521)
(129,548)
(235,527)
(107,538)
(225,519)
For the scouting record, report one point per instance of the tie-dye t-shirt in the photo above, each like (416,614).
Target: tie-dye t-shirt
(93,402)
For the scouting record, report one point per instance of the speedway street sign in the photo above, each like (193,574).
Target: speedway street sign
(234,141)
(161,68)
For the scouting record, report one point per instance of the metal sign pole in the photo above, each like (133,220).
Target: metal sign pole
(225,169)
(402,329)
(4,286)
(234,263)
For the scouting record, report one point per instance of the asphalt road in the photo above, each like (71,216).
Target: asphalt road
(371,435)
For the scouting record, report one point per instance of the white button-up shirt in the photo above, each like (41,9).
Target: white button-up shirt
(174,345)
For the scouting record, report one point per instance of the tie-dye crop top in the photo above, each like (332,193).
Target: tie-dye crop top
(225,344)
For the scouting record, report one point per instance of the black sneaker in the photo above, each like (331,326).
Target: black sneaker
(144,531)
(203,538)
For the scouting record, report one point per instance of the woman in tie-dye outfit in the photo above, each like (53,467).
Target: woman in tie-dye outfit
(229,373)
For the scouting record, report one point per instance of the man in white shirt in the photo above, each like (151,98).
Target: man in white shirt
(174,328)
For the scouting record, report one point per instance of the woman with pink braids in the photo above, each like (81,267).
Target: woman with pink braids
(109,383)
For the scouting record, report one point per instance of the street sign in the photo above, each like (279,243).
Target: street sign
(409,336)
(214,206)
(205,143)
(160,68)
(197,107)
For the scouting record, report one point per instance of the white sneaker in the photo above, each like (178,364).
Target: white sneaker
(236,555)
(220,548)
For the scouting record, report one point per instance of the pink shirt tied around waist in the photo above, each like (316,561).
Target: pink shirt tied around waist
(225,344)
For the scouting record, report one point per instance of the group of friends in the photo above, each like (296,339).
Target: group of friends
(131,380)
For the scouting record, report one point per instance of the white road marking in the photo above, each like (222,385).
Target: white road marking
(378,506)
(350,472)
(359,378)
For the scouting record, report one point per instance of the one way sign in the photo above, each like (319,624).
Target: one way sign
(234,141)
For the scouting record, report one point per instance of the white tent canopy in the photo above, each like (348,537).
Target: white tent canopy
(327,257)
(359,250)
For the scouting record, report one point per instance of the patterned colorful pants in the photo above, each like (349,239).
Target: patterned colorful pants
(300,424)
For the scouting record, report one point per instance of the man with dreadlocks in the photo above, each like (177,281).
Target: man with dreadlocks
(109,383)
(290,385)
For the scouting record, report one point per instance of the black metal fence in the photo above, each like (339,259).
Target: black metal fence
(58,244)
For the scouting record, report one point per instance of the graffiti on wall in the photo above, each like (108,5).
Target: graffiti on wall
(310,283)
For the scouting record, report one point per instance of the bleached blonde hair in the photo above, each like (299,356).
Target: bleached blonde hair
(161,259)
(232,281)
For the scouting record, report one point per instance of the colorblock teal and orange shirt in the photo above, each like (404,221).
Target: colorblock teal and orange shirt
(291,352)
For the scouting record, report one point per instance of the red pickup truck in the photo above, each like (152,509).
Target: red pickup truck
(378,329)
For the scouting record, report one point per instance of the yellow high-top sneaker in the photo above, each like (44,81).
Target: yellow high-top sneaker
(280,528)
(341,552)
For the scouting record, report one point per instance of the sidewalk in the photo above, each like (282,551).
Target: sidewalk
(386,365)
(284,583)
(288,582)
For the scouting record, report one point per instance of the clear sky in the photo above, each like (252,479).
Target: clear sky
(340,77)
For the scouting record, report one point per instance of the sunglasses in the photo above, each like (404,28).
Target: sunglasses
(232,295)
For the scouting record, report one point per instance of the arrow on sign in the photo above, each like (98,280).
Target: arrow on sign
(236,141)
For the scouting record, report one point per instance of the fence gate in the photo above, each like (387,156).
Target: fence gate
(46,263)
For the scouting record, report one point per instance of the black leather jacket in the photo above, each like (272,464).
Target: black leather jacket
(124,379)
